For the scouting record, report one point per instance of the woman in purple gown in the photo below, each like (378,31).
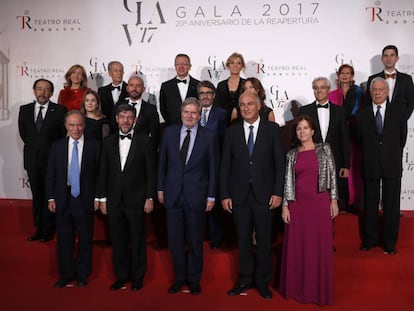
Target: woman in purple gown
(309,205)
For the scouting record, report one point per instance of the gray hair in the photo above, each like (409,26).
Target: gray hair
(191,101)
(321,79)
(379,79)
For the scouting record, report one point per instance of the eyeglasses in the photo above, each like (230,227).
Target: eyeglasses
(206,93)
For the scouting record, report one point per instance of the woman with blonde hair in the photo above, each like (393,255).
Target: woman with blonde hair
(75,88)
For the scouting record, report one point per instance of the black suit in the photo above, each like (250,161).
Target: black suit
(403,93)
(186,189)
(170,99)
(250,183)
(382,161)
(73,213)
(338,138)
(126,191)
(35,155)
(107,101)
(148,121)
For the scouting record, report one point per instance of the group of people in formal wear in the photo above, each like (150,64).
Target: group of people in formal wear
(218,150)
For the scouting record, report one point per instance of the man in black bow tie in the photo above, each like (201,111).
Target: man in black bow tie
(148,121)
(331,127)
(113,92)
(401,87)
(173,92)
(126,189)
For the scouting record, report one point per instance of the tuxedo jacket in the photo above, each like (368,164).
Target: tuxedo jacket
(382,155)
(198,178)
(107,102)
(403,91)
(170,99)
(264,172)
(37,145)
(148,121)
(338,132)
(57,174)
(136,182)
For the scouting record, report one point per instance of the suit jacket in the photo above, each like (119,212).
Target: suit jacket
(198,178)
(338,132)
(170,99)
(403,91)
(217,122)
(382,155)
(57,173)
(148,121)
(107,102)
(264,172)
(136,182)
(37,145)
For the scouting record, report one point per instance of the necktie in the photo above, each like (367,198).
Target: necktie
(390,75)
(116,87)
(322,106)
(182,81)
(184,147)
(74,171)
(129,136)
(39,119)
(250,142)
(378,120)
(203,121)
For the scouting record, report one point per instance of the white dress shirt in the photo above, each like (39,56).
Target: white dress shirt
(323,116)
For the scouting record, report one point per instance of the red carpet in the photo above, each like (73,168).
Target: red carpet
(363,281)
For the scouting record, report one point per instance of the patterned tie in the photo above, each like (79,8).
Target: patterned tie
(250,142)
(378,120)
(203,121)
(39,119)
(184,147)
(74,171)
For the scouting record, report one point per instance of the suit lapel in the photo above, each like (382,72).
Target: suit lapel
(132,150)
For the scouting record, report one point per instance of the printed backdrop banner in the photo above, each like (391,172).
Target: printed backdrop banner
(285,44)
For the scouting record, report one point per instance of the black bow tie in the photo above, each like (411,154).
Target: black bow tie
(182,81)
(129,136)
(116,87)
(322,106)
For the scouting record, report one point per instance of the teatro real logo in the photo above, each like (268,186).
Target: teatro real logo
(43,23)
(145,26)
(379,13)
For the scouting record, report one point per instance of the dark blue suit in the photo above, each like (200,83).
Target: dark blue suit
(216,123)
(73,213)
(186,189)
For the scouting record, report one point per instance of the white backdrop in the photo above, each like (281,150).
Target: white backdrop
(285,44)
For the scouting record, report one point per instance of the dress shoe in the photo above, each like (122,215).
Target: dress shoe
(136,285)
(118,285)
(46,238)
(215,245)
(366,248)
(237,290)
(389,251)
(62,283)
(195,289)
(176,287)
(81,283)
(265,293)
(34,237)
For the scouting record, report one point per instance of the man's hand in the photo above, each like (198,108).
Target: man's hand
(274,201)
(227,205)
(51,205)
